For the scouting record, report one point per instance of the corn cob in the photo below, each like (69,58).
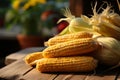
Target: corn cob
(67,37)
(30,58)
(71,48)
(67,64)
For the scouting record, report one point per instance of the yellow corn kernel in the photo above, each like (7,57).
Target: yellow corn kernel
(67,37)
(30,58)
(67,64)
(71,48)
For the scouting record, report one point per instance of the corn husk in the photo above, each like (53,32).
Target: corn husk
(76,24)
(107,22)
(109,52)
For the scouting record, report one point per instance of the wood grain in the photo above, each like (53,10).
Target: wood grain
(14,70)
(70,77)
(109,77)
(37,75)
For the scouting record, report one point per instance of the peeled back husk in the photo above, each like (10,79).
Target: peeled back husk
(109,52)
(108,29)
(106,22)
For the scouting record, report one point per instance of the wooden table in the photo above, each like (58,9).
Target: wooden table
(18,70)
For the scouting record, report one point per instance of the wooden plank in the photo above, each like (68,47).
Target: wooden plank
(20,54)
(107,77)
(103,74)
(84,77)
(14,70)
(100,74)
(70,77)
(37,75)
(19,70)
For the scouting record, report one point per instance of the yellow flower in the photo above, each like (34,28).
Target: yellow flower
(41,1)
(33,3)
(16,4)
(29,4)
(26,6)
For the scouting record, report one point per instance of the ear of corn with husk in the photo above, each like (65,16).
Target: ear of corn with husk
(106,23)
(76,24)
(109,52)
(67,64)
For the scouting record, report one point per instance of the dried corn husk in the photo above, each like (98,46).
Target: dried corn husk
(106,23)
(109,52)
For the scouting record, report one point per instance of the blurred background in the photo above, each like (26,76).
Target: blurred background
(36,19)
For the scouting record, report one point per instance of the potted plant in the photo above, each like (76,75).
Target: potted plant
(26,15)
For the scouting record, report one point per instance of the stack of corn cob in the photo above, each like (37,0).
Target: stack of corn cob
(65,53)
